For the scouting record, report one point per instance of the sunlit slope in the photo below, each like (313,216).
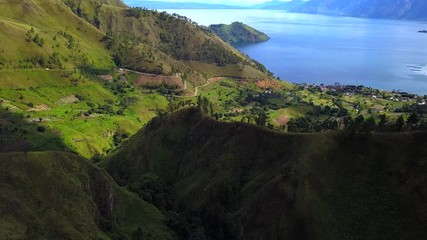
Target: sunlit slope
(162,43)
(44,33)
(53,53)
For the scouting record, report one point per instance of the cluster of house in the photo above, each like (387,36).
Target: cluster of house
(348,90)
(266,92)
(351,90)
(406,97)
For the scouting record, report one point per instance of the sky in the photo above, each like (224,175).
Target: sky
(228,2)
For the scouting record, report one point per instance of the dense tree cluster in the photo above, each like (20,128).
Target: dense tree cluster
(359,124)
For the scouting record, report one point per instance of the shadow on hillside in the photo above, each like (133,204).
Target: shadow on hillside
(19,133)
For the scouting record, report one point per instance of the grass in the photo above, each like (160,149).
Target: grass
(38,73)
(74,204)
(212,70)
(272,185)
(87,136)
(291,112)
(93,134)
(47,19)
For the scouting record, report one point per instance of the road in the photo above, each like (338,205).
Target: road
(197,89)
(124,70)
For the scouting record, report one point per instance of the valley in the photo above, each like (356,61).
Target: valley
(123,123)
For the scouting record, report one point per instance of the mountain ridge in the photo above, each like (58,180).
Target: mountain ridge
(57,195)
(390,9)
(269,185)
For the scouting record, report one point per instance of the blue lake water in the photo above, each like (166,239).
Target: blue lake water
(304,48)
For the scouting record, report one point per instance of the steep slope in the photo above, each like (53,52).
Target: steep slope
(58,70)
(156,42)
(247,182)
(392,9)
(54,34)
(238,33)
(54,195)
(38,33)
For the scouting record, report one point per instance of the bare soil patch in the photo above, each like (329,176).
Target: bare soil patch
(154,81)
(39,108)
(268,84)
(68,99)
(107,77)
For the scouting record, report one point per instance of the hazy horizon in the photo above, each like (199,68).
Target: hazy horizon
(222,2)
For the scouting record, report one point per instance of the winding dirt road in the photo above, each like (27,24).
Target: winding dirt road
(197,89)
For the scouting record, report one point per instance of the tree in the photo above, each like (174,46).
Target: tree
(358,122)
(261,119)
(412,119)
(399,123)
(199,102)
(383,122)
(138,234)
(369,125)
(41,129)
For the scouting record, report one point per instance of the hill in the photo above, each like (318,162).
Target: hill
(234,181)
(238,33)
(59,70)
(47,34)
(157,42)
(55,195)
(391,9)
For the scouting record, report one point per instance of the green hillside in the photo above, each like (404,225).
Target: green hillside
(192,177)
(158,42)
(127,124)
(238,33)
(242,181)
(58,71)
(54,195)
(48,34)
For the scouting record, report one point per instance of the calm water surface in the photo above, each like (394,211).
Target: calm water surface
(304,48)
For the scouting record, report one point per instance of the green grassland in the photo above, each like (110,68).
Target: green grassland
(86,134)
(59,32)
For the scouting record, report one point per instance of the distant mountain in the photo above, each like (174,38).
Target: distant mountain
(179,5)
(238,32)
(279,5)
(391,9)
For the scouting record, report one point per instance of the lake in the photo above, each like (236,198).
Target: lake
(305,48)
